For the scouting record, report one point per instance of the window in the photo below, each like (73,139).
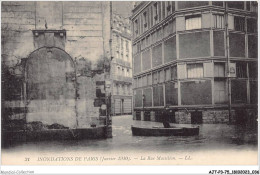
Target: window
(195,70)
(118,70)
(122,44)
(123,72)
(127,46)
(135,83)
(155,78)
(161,76)
(218,21)
(123,89)
(127,72)
(239,23)
(236,4)
(148,42)
(149,79)
(193,22)
(117,89)
(154,37)
(167,74)
(135,49)
(168,8)
(155,13)
(220,93)
(219,69)
(130,73)
(145,23)
(143,44)
(251,25)
(117,41)
(253,69)
(174,72)
(241,70)
(136,27)
(138,47)
(140,82)
(144,80)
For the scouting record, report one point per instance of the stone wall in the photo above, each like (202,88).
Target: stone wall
(211,116)
(182,117)
(87,34)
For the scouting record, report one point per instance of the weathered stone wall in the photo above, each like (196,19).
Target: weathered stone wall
(87,27)
(210,116)
(182,117)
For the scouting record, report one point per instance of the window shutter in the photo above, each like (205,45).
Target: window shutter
(181,23)
(206,20)
(181,71)
(230,22)
(208,69)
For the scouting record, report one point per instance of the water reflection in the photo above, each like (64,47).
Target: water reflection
(212,136)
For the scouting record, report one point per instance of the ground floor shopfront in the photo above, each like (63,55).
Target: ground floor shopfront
(121,105)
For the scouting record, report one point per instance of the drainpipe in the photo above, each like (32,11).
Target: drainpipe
(228,62)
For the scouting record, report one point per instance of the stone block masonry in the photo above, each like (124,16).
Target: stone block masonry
(51,89)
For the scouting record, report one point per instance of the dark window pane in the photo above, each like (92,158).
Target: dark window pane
(217,3)
(218,37)
(170,50)
(194,45)
(171,93)
(157,55)
(252,46)
(196,92)
(190,4)
(251,25)
(253,92)
(248,5)
(174,72)
(137,64)
(238,91)
(253,73)
(148,97)
(239,23)
(237,45)
(236,4)
(241,70)
(138,98)
(158,96)
(146,56)
(155,78)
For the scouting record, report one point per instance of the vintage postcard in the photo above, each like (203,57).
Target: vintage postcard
(129,83)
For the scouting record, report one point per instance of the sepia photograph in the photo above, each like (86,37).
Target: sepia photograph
(129,83)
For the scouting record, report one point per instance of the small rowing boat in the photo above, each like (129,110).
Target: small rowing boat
(161,131)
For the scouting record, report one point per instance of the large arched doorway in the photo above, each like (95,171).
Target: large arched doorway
(50,87)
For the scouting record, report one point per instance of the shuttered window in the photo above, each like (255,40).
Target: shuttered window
(195,70)
(218,21)
(193,22)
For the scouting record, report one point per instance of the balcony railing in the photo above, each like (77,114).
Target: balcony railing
(122,78)
(122,62)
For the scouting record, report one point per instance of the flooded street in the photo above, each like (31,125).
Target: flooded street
(211,137)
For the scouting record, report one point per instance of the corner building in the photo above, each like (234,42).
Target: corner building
(180,60)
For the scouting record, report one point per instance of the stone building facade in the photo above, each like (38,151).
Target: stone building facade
(180,61)
(121,66)
(55,60)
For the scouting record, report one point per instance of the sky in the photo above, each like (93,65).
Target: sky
(123,8)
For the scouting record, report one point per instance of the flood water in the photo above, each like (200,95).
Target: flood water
(211,137)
